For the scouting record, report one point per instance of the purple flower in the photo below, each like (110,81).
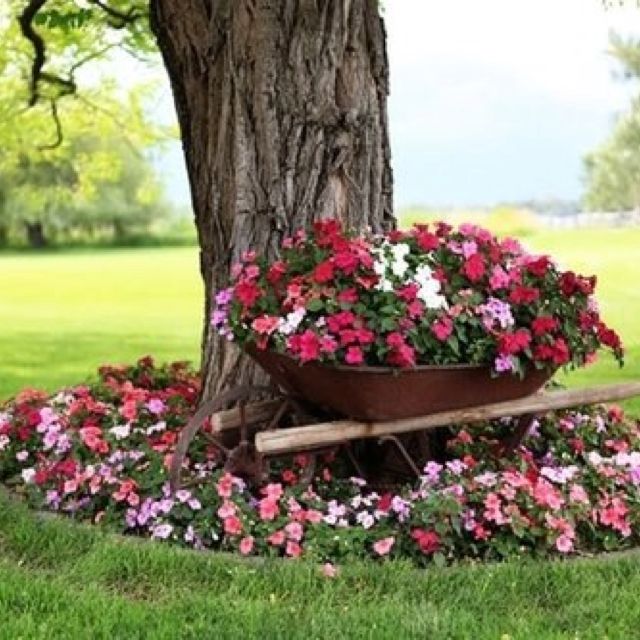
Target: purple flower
(432,472)
(504,363)
(162,531)
(456,467)
(224,297)
(156,406)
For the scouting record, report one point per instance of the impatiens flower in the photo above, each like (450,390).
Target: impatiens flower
(155,406)
(232,525)
(294,531)
(383,547)
(474,267)
(293,549)
(277,538)
(354,356)
(564,543)
(442,328)
(329,570)
(246,545)
(268,509)
(428,541)
(162,531)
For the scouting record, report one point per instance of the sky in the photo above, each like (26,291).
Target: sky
(491,100)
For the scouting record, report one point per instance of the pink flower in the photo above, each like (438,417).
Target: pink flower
(383,546)
(232,525)
(578,494)
(227,510)
(294,531)
(314,516)
(293,549)
(268,509)
(277,538)
(354,356)
(246,545)
(329,570)
(564,543)
(499,278)
(265,324)
(546,495)
(224,485)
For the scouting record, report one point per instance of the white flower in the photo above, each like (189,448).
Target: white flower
(28,475)
(288,325)
(4,441)
(366,519)
(121,431)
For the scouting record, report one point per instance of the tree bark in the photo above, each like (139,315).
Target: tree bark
(282,109)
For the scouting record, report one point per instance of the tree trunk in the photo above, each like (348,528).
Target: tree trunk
(282,109)
(35,235)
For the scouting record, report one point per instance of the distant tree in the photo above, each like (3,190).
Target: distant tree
(613,169)
(75,165)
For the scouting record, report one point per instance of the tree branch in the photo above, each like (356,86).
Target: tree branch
(37,74)
(56,118)
(120,18)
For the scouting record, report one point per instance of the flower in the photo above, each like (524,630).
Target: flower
(246,545)
(383,547)
(504,307)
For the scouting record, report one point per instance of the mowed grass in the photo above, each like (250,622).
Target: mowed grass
(64,314)
(60,580)
(61,315)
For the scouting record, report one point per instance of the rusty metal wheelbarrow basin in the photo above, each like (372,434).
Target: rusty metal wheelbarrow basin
(383,393)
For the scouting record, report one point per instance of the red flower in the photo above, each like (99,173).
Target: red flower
(323,272)
(426,240)
(442,328)
(474,267)
(276,271)
(539,266)
(309,346)
(346,261)
(512,343)
(609,337)
(524,295)
(543,324)
(247,292)
(428,541)
(349,296)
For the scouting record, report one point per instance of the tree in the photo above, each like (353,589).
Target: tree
(283,116)
(613,169)
(95,176)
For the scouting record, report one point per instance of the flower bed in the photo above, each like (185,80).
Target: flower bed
(100,453)
(433,295)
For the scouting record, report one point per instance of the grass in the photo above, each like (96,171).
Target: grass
(64,313)
(60,580)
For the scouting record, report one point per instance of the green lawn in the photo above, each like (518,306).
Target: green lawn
(60,580)
(63,314)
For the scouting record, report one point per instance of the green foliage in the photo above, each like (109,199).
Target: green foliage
(77,165)
(613,169)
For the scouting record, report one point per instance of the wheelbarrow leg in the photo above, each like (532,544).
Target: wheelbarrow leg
(511,443)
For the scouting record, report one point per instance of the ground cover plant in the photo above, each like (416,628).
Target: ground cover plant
(100,453)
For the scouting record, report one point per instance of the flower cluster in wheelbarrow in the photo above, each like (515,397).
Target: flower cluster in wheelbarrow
(432,295)
(101,453)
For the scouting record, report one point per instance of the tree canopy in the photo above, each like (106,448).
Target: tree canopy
(74,159)
(613,169)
